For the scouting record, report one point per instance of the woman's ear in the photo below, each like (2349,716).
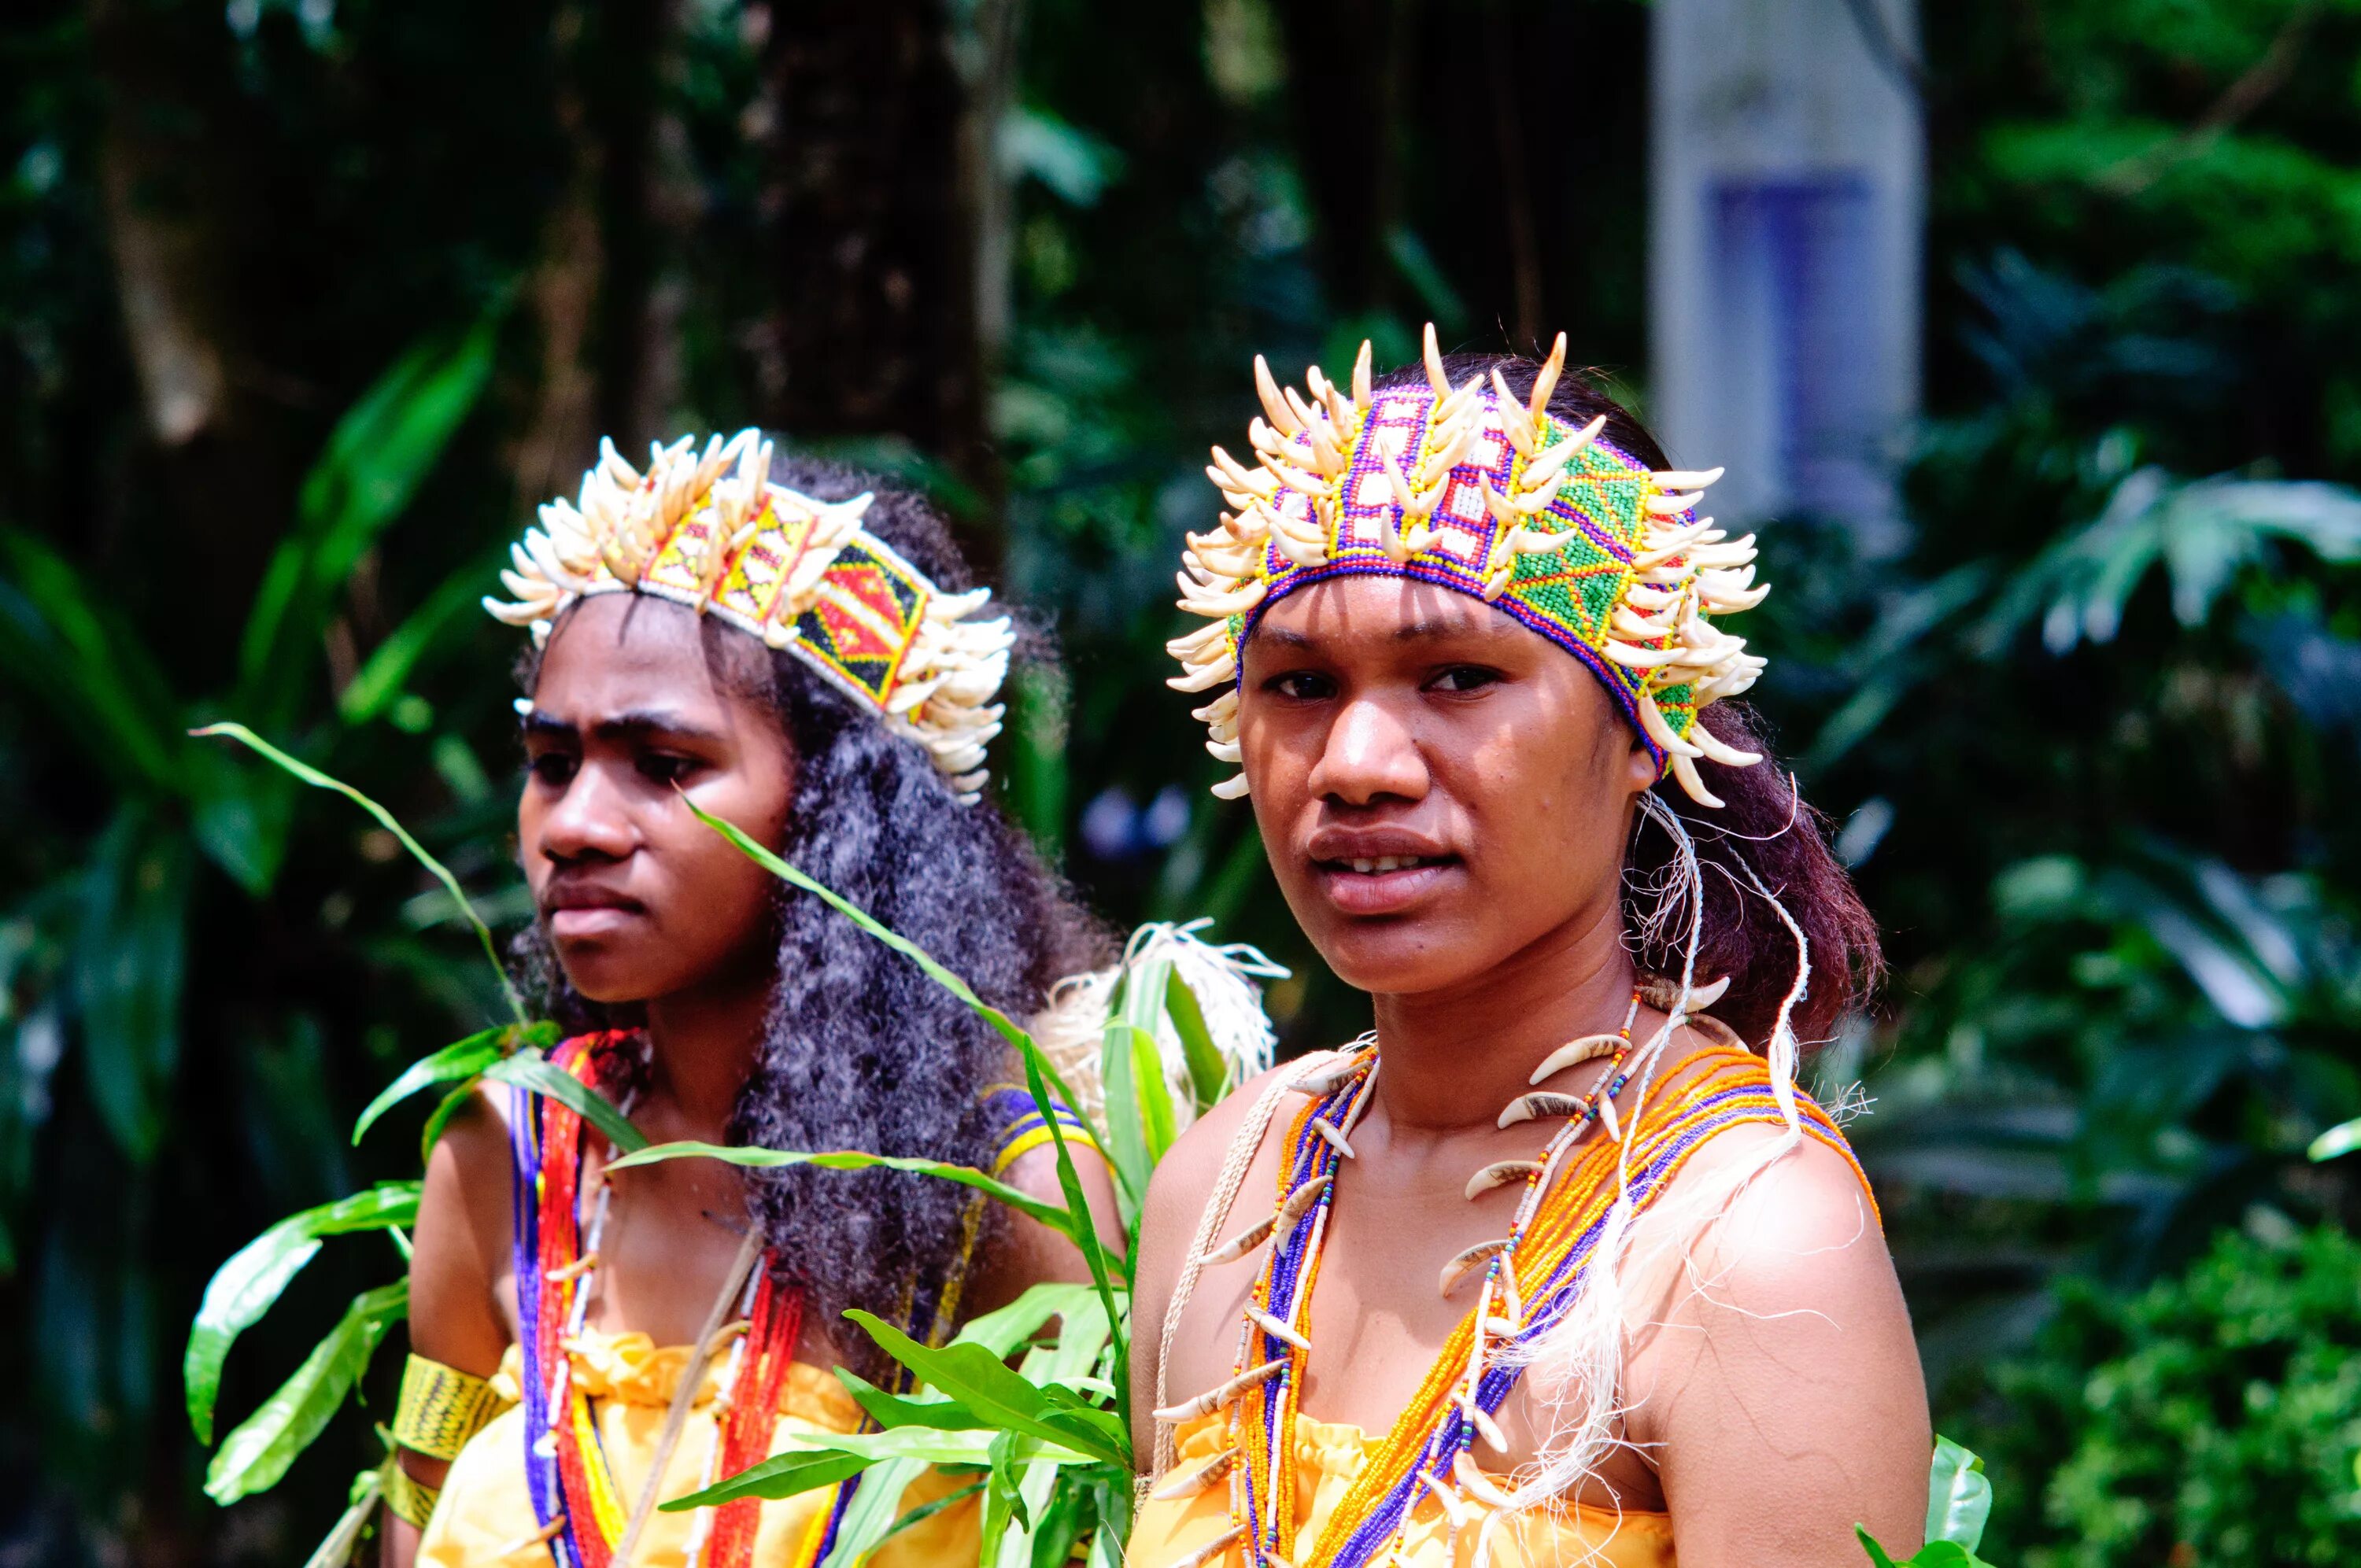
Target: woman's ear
(1640,770)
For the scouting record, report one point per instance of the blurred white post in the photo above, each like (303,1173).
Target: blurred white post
(1789,195)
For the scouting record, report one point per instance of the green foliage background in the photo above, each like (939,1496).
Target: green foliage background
(2087,740)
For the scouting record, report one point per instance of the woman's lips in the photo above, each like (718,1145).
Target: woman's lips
(591,920)
(1380,885)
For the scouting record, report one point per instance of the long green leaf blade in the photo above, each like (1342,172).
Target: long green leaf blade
(244,1288)
(530,1069)
(782,1477)
(461,1059)
(851,1160)
(256,1454)
(318,780)
(984,1384)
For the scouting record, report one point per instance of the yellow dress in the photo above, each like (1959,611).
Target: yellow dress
(485,1514)
(1329,1454)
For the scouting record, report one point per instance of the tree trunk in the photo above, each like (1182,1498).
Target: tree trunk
(881,183)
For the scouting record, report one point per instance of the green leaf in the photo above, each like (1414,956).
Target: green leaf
(245,1288)
(386,672)
(1959,1496)
(1002,1499)
(2341,1139)
(782,1477)
(253,1458)
(851,1160)
(129,958)
(450,1106)
(530,1069)
(1876,1552)
(982,1382)
(380,452)
(318,780)
(1002,1330)
(1039,1071)
(461,1059)
(893,1412)
(1208,1075)
(62,647)
(873,1514)
(1127,1148)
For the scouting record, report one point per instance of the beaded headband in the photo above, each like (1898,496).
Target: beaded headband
(714,534)
(1475,491)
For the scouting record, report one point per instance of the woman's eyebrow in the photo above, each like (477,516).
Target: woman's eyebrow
(637,724)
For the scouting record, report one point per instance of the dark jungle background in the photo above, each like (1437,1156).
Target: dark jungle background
(304,305)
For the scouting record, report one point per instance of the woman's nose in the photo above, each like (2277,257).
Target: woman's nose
(590,822)
(1369,754)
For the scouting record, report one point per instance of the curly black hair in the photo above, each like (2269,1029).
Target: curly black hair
(860,1050)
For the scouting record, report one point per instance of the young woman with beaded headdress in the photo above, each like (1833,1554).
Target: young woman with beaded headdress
(1558,1265)
(799,652)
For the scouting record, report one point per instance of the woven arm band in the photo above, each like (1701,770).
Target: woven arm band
(1023,1130)
(407,1497)
(441,1408)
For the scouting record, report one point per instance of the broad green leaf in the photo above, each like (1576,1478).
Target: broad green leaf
(1002,1330)
(461,1059)
(386,672)
(1876,1552)
(782,1476)
(982,1382)
(1127,1148)
(968,1447)
(531,1069)
(1959,1496)
(380,452)
(244,1288)
(450,1106)
(127,969)
(60,643)
(1002,1500)
(1157,1123)
(253,1458)
(850,1159)
(892,1411)
(1208,1075)
(2341,1139)
(318,780)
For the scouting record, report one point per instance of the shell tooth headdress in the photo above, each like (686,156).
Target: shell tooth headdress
(712,531)
(1473,489)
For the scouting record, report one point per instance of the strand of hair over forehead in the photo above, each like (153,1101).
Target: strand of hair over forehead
(1574,1370)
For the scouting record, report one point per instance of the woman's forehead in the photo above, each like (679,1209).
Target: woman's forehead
(623,650)
(1373,612)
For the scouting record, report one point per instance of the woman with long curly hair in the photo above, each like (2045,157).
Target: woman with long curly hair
(798,651)
(1558,1265)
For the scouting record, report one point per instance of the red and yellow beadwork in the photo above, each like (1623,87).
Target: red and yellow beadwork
(712,531)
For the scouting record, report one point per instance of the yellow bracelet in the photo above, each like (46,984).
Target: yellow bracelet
(407,1497)
(440,1408)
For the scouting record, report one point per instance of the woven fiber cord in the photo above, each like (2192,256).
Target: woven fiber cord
(1217,1214)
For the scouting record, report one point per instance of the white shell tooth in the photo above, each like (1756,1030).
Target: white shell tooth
(1277,1330)
(1575,1052)
(1213,1399)
(1499,1173)
(1335,1139)
(1541,1103)
(1238,1246)
(1302,1199)
(1213,1548)
(1457,1270)
(1188,1483)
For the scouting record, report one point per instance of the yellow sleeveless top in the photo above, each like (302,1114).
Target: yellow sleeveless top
(1330,1455)
(485,1514)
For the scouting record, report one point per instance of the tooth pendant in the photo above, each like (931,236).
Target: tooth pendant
(1541,1103)
(1277,1329)
(1302,1199)
(1237,1246)
(1457,1270)
(1213,1548)
(1575,1052)
(1213,1399)
(1335,1139)
(1188,1483)
(1499,1174)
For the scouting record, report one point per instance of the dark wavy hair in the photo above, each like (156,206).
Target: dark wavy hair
(860,1050)
(1763,826)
